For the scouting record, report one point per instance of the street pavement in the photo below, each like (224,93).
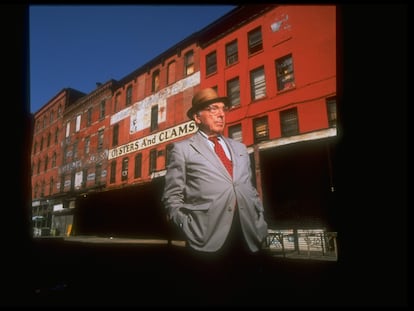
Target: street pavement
(115,272)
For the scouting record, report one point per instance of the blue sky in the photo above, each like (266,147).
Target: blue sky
(78,45)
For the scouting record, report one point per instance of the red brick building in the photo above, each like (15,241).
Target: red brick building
(46,157)
(277,64)
(279,71)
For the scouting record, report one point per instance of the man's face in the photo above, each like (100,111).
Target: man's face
(212,119)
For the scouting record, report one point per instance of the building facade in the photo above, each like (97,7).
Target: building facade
(277,65)
(46,158)
(279,71)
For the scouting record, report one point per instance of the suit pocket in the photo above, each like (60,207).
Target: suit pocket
(196,224)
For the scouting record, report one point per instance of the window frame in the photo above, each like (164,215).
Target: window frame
(236,132)
(154,118)
(102,109)
(331,110)
(261,134)
(152,160)
(211,63)
(128,96)
(257,88)
(124,170)
(138,165)
(289,122)
(233,92)
(171,72)
(255,44)
(285,74)
(155,81)
(232,52)
(189,64)
(115,134)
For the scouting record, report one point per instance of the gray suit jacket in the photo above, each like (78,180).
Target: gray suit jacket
(200,196)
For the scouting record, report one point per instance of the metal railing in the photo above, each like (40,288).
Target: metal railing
(303,244)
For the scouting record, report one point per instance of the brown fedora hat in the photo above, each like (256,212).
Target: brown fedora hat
(203,98)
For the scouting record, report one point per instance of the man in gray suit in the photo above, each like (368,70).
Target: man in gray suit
(219,213)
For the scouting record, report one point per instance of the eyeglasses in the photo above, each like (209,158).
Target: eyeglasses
(214,109)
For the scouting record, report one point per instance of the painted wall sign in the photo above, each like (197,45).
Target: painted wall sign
(153,140)
(140,112)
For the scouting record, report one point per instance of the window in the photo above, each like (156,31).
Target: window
(153,161)
(289,122)
(211,63)
(235,132)
(84,177)
(62,182)
(261,129)
(284,73)
(113,172)
(48,139)
(232,54)
(72,180)
(56,136)
(155,81)
(171,73)
(65,155)
(189,63)
(54,159)
(75,150)
(167,153)
(77,123)
(38,166)
(124,173)
(255,40)
(34,147)
(154,118)
(67,131)
(98,174)
(36,190)
(41,143)
(116,104)
(87,144)
(233,92)
(138,165)
(46,162)
(102,110)
(331,110)
(129,96)
(257,83)
(100,139)
(115,134)
(51,185)
(43,186)
(89,116)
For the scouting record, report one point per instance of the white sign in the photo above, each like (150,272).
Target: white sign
(58,207)
(153,140)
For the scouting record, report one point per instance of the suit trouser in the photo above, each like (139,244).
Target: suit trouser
(227,272)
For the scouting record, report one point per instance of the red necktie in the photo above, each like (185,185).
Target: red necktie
(222,155)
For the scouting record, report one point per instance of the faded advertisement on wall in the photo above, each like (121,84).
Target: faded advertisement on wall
(140,112)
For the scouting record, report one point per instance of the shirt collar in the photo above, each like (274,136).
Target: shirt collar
(206,136)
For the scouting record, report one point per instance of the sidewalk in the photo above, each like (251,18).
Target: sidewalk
(113,271)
